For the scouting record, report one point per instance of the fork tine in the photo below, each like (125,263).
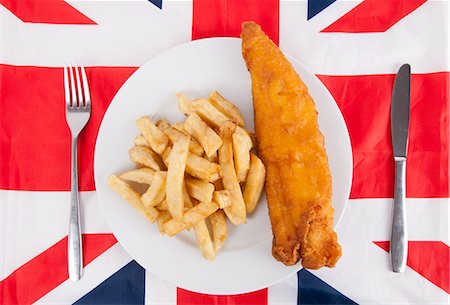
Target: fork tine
(80,94)
(66,86)
(72,88)
(87,95)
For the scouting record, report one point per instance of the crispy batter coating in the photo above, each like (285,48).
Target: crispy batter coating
(298,180)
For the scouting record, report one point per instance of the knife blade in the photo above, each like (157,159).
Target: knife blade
(400,109)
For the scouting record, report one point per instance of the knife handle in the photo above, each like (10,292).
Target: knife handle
(399,238)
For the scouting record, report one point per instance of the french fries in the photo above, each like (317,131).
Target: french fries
(204,241)
(126,192)
(201,168)
(208,112)
(236,211)
(155,137)
(254,184)
(174,134)
(204,134)
(214,158)
(141,141)
(179,127)
(155,193)
(162,206)
(242,144)
(222,198)
(226,107)
(199,172)
(175,177)
(164,216)
(219,228)
(191,217)
(163,124)
(184,104)
(145,156)
(200,190)
(141,175)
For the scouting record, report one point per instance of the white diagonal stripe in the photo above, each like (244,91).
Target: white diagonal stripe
(414,39)
(364,273)
(31,222)
(128,33)
(94,274)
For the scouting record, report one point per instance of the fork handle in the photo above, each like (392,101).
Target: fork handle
(75,254)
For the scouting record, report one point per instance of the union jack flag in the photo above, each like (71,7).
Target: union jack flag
(354,47)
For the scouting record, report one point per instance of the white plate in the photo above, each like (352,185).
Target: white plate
(245,263)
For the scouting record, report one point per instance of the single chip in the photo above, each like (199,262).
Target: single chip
(190,217)
(219,229)
(184,103)
(165,155)
(141,141)
(155,137)
(204,241)
(155,194)
(208,112)
(188,203)
(242,144)
(145,156)
(222,198)
(204,134)
(162,124)
(214,158)
(175,177)
(254,184)
(140,175)
(200,189)
(201,168)
(129,194)
(179,126)
(236,211)
(226,107)
(174,134)
(164,216)
(201,230)
(162,206)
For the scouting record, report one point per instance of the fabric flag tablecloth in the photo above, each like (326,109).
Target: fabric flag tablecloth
(354,47)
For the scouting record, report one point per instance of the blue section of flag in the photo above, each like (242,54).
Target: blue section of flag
(157,3)
(312,290)
(126,286)
(316,6)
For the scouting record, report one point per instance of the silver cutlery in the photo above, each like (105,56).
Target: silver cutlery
(78,112)
(399,128)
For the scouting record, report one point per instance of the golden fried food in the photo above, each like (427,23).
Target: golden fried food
(298,181)
(195,171)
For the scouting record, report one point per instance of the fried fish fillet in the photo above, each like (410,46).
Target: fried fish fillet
(298,180)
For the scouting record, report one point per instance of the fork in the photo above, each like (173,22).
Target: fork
(78,112)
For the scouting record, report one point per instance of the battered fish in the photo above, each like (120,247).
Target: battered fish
(298,180)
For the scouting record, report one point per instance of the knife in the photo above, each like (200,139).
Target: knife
(399,128)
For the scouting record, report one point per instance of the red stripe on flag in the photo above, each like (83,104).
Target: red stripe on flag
(46,11)
(186,297)
(365,103)
(374,16)
(224,17)
(35,140)
(428,258)
(48,270)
